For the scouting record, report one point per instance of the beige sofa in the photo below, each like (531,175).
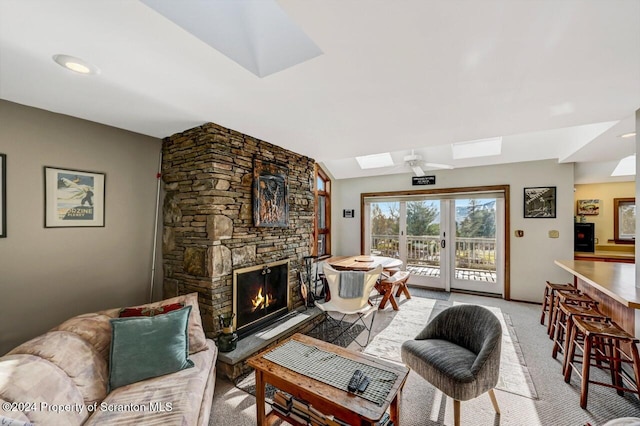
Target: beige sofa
(62,378)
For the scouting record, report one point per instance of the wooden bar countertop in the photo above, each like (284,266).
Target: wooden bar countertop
(617,280)
(606,255)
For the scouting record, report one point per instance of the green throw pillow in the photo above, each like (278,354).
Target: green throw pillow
(145,347)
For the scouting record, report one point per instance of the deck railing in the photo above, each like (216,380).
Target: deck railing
(471,253)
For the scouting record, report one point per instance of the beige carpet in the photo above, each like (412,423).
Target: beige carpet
(422,405)
(415,314)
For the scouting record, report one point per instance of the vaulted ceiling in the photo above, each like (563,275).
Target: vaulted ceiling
(557,79)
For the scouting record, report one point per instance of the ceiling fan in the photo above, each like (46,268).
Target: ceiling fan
(414,161)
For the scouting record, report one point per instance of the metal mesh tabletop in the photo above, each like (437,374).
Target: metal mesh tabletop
(332,369)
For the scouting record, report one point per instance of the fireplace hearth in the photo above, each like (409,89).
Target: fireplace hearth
(260,295)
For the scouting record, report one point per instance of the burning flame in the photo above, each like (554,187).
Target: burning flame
(260,301)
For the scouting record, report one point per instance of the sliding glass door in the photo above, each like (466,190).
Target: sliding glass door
(412,231)
(427,222)
(477,249)
(449,241)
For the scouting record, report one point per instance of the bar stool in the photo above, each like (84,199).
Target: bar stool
(564,326)
(608,334)
(570,298)
(550,290)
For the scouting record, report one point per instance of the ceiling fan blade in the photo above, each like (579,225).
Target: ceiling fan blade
(439,165)
(417,170)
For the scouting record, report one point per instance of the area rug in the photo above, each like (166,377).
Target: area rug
(416,313)
(428,293)
(329,332)
(326,331)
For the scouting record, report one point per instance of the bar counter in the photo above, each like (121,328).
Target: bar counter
(612,284)
(617,280)
(606,256)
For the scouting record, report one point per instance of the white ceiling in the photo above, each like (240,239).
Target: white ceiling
(558,79)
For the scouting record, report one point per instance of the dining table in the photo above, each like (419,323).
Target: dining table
(386,286)
(364,263)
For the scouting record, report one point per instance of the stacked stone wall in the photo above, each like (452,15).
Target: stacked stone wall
(208,217)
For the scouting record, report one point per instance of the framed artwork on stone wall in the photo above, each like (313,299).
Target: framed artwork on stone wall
(73,198)
(270,194)
(3,196)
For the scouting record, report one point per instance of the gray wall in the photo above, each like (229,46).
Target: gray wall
(50,274)
(531,256)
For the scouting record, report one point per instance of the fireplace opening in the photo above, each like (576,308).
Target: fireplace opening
(260,295)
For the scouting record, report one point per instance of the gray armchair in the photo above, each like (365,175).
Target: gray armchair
(458,352)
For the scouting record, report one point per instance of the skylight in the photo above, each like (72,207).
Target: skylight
(375,160)
(256,34)
(626,167)
(477,148)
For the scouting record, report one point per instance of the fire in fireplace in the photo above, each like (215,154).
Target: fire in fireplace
(260,302)
(260,295)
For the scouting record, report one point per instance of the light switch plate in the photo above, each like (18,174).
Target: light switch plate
(554,234)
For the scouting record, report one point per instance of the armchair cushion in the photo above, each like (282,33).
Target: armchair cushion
(81,361)
(448,359)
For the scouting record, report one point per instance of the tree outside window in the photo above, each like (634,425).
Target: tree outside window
(480,222)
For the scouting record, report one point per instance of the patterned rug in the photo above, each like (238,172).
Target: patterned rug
(326,331)
(329,332)
(417,312)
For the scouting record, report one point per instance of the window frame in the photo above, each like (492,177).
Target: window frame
(617,203)
(326,231)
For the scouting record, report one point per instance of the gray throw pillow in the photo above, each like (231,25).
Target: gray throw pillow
(145,347)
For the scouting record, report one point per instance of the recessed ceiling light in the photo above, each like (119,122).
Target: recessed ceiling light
(628,135)
(477,148)
(375,160)
(626,166)
(75,64)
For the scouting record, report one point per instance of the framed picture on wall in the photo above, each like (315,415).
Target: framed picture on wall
(588,207)
(270,194)
(540,202)
(3,196)
(73,198)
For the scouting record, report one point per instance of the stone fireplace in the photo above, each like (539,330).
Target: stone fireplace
(208,226)
(260,295)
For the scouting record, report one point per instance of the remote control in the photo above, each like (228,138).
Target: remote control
(355,380)
(363,384)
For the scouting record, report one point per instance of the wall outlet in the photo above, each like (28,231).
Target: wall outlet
(554,234)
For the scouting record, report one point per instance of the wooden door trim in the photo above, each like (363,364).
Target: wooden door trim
(442,191)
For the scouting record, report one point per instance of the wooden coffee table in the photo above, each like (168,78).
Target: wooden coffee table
(345,406)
